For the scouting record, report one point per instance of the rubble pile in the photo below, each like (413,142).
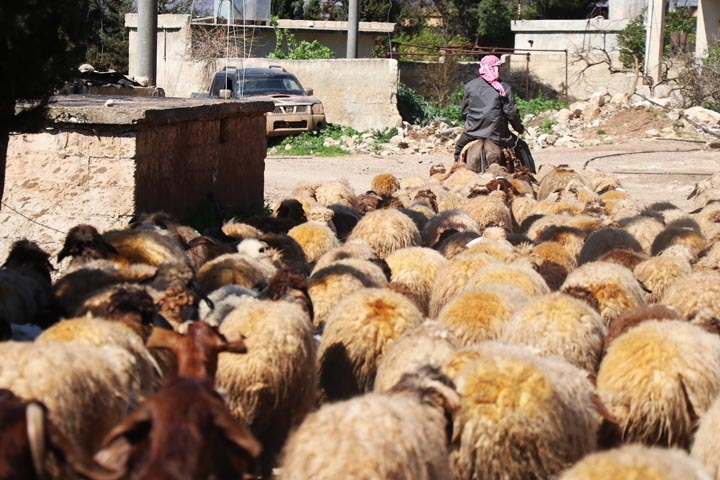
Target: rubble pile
(601,119)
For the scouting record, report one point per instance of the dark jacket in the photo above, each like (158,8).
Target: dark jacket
(487,113)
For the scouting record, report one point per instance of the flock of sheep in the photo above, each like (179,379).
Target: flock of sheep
(462,325)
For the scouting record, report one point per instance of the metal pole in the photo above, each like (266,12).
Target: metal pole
(147,41)
(352,38)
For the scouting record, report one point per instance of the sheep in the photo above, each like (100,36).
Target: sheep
(707,219)
(637,461)
(98,332)
(518,275)
(452,276)
(354,249)
(658,272)
(240,230)
(184,430)
(315,239)
(444,223)
(344,219)
(25,288)
(274,386)
(704,443)
(385,184)
(610,288)
(558,178)
(416,267)
(87,389)
(521,208)
(489,212)
(558,324)
(521,415)
(281,249)
(635,317)
(358,330)
(403,433)
(553,262)
(426,344)
(84,243)
(235,269)
(644,228)
(335,192)
(657,378)
(32,447)
(695,295)
(602,241)
(478,314)
(385,231)
(330,284)
(693,239)
(455,243)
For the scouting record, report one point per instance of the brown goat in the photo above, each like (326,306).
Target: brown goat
(184,431)
(28,437)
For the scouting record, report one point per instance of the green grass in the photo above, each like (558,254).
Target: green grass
(539,105)
(600,131)
(546,125)
(313,143)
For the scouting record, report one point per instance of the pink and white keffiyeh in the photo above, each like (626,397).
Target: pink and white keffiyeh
(489,71)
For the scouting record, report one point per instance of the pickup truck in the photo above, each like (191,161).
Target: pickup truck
(296,110)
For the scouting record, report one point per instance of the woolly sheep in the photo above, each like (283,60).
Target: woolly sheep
(330,284)
(518,275)
(704,446)
(426,344)
(695,295)
(385,184)
(608,287)
(602,241)
(416,267)
(315,239)
(234,269)
(521,415)
(489,212)
(558,324)
(708,219)
(657,378)
(455,243)
(274,385)
(445,222)
(402,433)
(644,228)
(358,249)
(558,178)
(553,262)
(385,231)
(452,276)
(637,461)
(335,192)
(87,389)
(280,249)
(635,317)
(675,235)
(358,330)
(224,301)
(479,314)
(657,273)
(522,207)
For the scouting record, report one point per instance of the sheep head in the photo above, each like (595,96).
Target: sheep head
(86,241)
(197,351)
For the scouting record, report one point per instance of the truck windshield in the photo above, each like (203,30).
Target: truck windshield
(267,85)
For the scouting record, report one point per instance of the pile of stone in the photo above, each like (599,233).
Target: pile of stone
(570,127)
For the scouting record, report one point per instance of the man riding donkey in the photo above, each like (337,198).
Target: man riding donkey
(487,107)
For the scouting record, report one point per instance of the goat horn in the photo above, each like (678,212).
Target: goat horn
(35,418)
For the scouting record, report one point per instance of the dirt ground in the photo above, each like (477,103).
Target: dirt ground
(651,170)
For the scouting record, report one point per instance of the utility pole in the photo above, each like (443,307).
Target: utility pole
(147,41)
(352,38)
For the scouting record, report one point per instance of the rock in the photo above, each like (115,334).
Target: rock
(590,113)
(652,132)
(564,116)
(347,140)
(597,99)
(566,141)
(577,108)
(619,99)
(702,115)
(330,142)
(674,115)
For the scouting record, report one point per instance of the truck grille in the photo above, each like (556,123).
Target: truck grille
(291,109)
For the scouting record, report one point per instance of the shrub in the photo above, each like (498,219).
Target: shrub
(539,105)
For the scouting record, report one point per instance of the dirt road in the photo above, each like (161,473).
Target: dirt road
(650,170)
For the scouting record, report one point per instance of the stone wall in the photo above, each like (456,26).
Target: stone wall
(102,165)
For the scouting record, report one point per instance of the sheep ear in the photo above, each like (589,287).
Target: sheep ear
(235,431)
(162,338)
(122,439)
(236,346)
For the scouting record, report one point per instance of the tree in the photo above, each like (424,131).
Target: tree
(43,44)
(494,17)
(108,38)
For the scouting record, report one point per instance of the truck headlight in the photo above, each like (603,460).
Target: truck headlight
(318,109)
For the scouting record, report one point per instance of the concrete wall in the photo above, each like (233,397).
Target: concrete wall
(360,93)
(708,20)
(557,48)
(102,164)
